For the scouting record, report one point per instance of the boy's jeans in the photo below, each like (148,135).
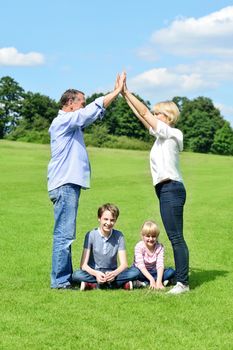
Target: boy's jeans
(65,202)
(129,274)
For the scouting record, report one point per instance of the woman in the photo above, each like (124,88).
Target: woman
(167,179)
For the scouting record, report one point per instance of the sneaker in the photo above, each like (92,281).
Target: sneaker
(87,286)
(139,284)
(66,287)
(179,288)
(128,285)
(165,283)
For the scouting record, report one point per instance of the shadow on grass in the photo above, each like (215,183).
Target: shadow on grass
(200,276)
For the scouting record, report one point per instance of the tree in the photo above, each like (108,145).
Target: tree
(199,121)
(11,97)
(36,108)
(128,124)
(37,112)
(223,140)
(120,120)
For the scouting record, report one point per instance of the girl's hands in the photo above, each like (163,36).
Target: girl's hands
(159,285)
(152,284)
(156,285)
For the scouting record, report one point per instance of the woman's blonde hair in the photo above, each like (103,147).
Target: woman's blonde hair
(169,109)
(150,228)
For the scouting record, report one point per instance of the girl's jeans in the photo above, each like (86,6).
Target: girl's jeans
(167,275)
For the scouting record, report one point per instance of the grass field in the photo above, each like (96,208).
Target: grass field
(35,317)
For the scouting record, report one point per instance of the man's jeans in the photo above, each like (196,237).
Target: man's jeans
(65,202)
(172,196)
(130,274)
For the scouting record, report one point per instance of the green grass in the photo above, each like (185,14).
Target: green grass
(35,317)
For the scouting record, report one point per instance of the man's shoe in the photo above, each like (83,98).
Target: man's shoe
(88,286)
(139,284)
(179,288)
(165,283)
(128,285)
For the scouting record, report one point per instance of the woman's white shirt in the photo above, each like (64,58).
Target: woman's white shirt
(164,155)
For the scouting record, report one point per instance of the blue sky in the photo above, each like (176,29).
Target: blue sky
(180,48)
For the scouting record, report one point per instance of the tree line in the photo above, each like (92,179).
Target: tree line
(26,116)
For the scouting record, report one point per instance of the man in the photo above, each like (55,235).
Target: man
(69,172)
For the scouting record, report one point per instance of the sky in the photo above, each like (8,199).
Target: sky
(168,48)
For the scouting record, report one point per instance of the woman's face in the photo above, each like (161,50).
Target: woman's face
(162,117)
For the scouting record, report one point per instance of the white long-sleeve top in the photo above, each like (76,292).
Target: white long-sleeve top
(164,155)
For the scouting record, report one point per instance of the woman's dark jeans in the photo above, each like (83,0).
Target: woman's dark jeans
(172,197)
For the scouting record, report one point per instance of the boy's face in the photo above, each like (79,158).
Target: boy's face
(107,221)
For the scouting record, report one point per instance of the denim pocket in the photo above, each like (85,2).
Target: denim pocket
(53,195)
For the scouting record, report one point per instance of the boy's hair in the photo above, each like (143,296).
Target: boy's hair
(70,94)
(169,109)
(110,207)
(150,228)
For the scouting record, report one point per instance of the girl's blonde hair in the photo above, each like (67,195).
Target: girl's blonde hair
(150,228)
(169,109)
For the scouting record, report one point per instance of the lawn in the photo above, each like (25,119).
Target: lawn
(35,317)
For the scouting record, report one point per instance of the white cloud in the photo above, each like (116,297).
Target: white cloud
(9,56)
(226,111)
(190,80)
(211,34)
(183,78)
(204,50)
(179,80)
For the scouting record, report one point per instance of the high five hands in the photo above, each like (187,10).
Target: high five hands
(120,83)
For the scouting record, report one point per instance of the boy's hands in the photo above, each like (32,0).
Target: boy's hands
(110,276)
(100,277)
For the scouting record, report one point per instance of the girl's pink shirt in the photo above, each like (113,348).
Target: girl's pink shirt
(143,257)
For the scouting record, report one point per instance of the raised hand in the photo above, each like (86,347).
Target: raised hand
(120,81)
(117,82)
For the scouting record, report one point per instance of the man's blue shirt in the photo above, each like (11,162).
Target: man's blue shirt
(69,159)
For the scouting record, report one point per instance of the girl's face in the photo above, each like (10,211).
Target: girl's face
(149,240)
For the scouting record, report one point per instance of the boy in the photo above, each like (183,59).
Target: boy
(101,248)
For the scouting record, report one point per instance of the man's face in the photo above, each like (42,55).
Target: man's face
(78,102)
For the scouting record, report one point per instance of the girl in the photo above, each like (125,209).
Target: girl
(149,258)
